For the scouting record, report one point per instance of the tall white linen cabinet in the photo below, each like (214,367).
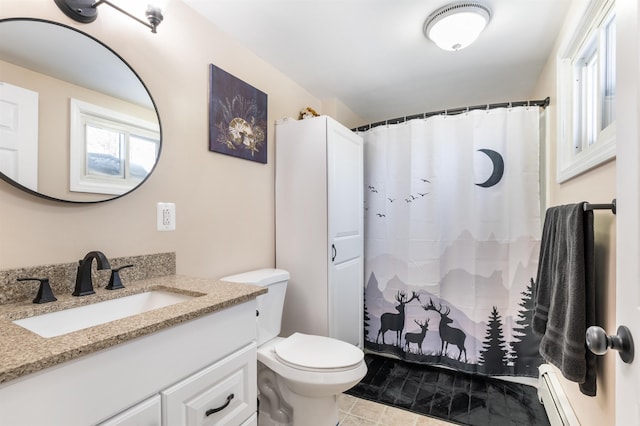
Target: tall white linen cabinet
(319,227)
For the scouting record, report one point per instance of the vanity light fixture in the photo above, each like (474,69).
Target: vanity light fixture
(457,25)
(86,11)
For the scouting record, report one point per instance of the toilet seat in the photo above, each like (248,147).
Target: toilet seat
(317,353)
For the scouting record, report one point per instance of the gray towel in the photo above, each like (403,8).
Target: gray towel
(565,293)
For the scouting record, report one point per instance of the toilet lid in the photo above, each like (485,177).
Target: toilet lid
(317,352)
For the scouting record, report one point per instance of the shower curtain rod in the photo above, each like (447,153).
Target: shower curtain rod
(543,103)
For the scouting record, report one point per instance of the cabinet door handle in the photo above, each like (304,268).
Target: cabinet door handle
(334,252)
(222,407)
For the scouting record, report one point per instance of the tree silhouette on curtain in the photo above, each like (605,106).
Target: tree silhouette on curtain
(366,320)
(494,355)
(524,348)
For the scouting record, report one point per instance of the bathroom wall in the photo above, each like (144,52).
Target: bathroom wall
(224,205)
(598,186)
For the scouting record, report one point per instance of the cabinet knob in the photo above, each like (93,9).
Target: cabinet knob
(222,407)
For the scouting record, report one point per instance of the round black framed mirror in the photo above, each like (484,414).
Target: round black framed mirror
(77,124)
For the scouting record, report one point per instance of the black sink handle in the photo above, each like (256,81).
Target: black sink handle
(121,267)
(44,292)
(115,282)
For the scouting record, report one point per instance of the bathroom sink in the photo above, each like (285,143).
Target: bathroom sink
(68,320)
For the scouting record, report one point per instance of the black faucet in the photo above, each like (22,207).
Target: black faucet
(84,283)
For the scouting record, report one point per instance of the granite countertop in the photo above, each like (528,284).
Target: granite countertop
(23,352)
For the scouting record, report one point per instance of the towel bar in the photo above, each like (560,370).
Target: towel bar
(612,206)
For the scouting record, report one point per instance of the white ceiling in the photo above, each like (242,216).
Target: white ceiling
(372,54)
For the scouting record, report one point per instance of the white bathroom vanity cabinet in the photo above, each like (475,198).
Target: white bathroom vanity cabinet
(168,378)
(319,227)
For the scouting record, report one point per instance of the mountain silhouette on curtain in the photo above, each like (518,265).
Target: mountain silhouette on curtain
(440,338)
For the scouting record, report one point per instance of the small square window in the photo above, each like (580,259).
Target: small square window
(586,95)
(111,152)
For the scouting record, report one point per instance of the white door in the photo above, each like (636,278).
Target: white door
(19,135)
(628,212)
(345,204)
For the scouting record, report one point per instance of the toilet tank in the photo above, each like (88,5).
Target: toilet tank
(270,305)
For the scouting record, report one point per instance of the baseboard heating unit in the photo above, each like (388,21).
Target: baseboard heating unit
(553,398)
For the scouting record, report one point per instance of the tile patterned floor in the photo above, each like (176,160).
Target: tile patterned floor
(360,412)
(449,395)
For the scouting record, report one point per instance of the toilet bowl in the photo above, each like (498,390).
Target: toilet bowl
(300,376)
(308,387)
(303,369)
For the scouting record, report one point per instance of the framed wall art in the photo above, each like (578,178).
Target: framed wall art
(237,117)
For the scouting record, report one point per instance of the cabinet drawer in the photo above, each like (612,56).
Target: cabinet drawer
(253,421)
(146,413)
(221,394)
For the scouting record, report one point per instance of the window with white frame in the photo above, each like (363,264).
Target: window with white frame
(586,92)
(111,152)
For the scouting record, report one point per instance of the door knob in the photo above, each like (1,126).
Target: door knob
(598,342)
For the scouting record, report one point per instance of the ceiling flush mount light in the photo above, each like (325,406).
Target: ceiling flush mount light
(457,25)
(86,11)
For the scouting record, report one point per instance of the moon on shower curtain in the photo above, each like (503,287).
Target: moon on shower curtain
(498,168)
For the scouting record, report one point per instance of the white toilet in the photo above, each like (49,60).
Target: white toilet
(301,376)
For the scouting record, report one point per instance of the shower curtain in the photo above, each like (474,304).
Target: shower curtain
(452,234)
